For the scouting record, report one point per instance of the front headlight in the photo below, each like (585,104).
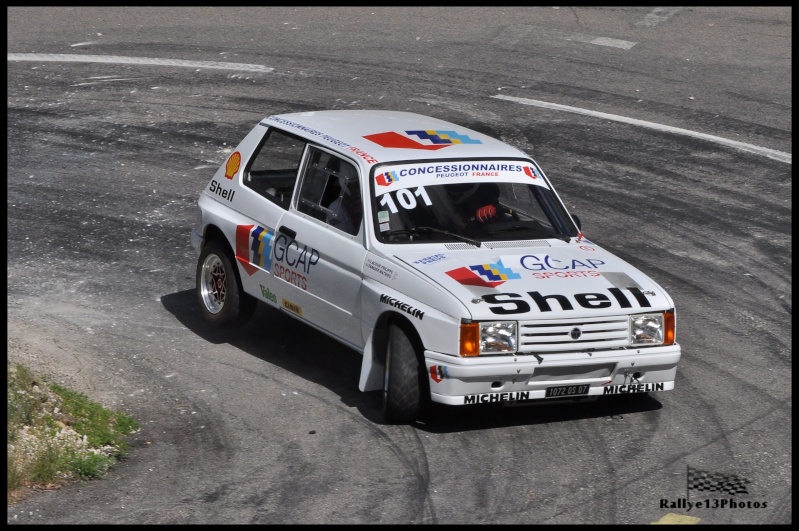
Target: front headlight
(649,329)
(489,337)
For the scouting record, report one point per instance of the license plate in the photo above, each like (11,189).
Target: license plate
(566,390)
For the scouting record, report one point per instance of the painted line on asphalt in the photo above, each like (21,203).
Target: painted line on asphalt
(658,15)
(600,41)
(119,59)
(512,35)
(766,152)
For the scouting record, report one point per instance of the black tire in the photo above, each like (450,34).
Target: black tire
(218,286)
(402,382)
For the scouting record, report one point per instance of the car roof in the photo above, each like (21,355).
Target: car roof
(376,136)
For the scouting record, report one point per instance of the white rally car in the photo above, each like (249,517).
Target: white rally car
(443,255)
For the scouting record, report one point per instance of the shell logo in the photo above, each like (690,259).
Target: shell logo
(232,165)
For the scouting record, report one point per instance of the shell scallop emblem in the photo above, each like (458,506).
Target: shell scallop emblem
(232,165)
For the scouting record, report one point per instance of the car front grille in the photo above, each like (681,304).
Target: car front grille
(573,335)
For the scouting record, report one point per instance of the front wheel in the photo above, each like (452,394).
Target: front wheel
(402,382)
(222,300)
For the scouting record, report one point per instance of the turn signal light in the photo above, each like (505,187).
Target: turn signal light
(669,325)
(470,339)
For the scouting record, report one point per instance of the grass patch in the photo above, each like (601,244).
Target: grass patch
(56,435)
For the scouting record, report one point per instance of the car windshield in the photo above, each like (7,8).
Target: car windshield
(469,201)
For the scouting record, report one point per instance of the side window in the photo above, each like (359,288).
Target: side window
(331,191)
(273,170)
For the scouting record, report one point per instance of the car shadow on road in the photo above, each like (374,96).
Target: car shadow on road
(281,340)
(447,419)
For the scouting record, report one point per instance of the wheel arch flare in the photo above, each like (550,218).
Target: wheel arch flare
(427,327)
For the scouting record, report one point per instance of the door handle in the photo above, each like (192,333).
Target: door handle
(288,232)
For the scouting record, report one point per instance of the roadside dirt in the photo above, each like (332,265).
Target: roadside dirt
(52,352)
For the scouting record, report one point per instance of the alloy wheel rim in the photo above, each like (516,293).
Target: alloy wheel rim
(213,284)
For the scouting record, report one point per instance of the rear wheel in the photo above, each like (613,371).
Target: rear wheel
(222,300)
(402,382)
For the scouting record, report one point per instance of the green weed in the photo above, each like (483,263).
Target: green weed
(56,435)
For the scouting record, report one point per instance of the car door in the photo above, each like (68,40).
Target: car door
(269,179)
(318,249)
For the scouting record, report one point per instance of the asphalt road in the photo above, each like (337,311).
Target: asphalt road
(687,175)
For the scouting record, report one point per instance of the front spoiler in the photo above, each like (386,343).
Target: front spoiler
(514,379)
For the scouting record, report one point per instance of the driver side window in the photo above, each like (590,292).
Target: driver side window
(331,191)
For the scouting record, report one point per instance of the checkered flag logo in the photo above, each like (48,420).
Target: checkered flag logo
(710,482)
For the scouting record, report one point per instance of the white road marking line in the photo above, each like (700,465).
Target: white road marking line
(770,153)
(766,152)
(600,41)
(658,15)
(511,36)
(615,43)
(105,81)
(119,59)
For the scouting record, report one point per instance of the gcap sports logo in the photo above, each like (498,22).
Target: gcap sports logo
(495,274)
(438,373)
(254,246)
(385,179)
(437,139)
(530,172)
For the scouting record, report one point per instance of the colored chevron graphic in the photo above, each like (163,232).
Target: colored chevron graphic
(385,179)
(396,140)
(444,137)
(495,274)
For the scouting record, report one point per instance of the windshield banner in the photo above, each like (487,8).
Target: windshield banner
(433,173)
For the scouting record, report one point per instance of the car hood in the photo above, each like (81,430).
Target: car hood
(574,280)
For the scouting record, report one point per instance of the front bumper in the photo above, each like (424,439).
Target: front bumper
(525,377)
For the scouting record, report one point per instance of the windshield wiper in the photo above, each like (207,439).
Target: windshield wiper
(428,230)
(535,228)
